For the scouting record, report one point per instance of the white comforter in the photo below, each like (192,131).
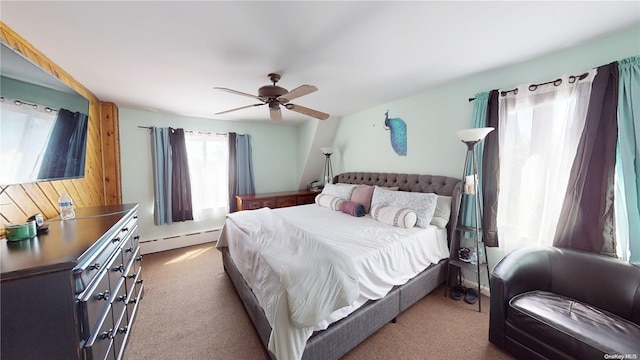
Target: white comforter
(317,279)
(383,256)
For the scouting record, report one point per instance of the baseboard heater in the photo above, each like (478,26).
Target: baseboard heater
(178,241)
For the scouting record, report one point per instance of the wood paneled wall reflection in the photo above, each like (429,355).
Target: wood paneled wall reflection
(101,183)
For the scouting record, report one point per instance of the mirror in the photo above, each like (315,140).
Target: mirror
(43,123)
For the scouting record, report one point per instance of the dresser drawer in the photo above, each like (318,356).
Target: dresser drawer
(252,204)
(270,203)
(100,345)
(306,199)
(119,301)
(94,303)
(285,201)
(88,273)
(134,279)
(133,269)
(95,300)
(130,246)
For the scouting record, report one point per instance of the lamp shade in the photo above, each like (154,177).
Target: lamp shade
(475,134)
(326,150)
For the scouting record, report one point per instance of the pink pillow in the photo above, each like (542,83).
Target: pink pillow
(362,194)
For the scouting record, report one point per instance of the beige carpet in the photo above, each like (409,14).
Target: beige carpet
(190,310)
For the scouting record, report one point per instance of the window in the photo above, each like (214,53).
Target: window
(22,155)
(208,168)
(540,129)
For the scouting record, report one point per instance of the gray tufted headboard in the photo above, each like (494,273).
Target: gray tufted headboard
(441,185)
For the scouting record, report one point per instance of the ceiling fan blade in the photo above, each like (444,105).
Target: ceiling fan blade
(240,108)
(237,92)
(276,114)
(310,112)
(299,91)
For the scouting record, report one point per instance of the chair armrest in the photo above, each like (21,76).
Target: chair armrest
(520,271)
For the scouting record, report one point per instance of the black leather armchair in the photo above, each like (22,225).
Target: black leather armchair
(565,304)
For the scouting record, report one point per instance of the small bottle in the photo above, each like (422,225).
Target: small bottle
(474,257)
(481,257)
(66,207)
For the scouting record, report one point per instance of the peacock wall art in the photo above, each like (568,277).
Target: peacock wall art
(398,132)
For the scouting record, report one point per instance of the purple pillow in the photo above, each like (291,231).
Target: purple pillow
(352,208)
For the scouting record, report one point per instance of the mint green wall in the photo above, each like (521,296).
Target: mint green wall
(306,134)
(43,96)
(434,116)
(274,162)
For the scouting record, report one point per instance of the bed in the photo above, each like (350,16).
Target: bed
(345,326)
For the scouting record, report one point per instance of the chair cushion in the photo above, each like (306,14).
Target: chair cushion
(575,328)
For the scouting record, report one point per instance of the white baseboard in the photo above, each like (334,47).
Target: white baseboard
(178,241)
(484,289)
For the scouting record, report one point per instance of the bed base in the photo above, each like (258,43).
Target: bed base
(345,334)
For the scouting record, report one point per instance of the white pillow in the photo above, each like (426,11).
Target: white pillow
(342,191)
(395,216)
(329,201)
(443,212)
(423,204)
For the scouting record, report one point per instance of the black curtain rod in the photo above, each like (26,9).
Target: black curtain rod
(190,131)
(534,87)
(18,102)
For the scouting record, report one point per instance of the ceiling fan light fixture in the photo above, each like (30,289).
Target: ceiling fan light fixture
(274,106)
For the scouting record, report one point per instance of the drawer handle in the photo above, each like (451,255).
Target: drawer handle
(103,295)
(137,237)
(95,266)
(123,330)
(139,281)
(133,301)
(118,268)
(115,240)
(132,276)
(124,229)
(139,258)
(121,298)
(129,249)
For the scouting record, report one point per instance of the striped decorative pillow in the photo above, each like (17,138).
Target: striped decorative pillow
(329,201)
(401,217)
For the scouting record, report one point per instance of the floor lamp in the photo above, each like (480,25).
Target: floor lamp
(328,171)
(471,137)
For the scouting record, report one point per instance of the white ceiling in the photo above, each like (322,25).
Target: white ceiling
(166,56)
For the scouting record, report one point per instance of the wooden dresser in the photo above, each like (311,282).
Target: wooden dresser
(73,292)
(275,200)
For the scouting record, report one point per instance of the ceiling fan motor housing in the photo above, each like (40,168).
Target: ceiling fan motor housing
(271,91)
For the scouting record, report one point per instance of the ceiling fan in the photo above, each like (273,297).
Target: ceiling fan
(274,96)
